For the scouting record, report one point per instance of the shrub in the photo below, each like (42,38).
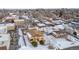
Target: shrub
(31,40)
(41,42)
(34,43)
(74,33)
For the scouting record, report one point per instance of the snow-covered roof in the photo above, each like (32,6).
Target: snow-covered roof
(3,29)
(40,24)
(59,27)
(10,24)
(48,29)
(47,22)
(9,17)
(26,17)
(57,21)
(36,21)
(2,24)
(4,37)
(18,20)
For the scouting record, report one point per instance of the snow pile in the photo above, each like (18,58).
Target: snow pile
(40,24)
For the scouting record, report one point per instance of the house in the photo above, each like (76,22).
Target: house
(60,34)
(69,29)
(59,31)
(4,27)
(10,18)
(19,22)
(10,26)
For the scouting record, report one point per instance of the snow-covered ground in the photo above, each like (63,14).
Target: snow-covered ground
(61,43)
(57,43)
(30,47)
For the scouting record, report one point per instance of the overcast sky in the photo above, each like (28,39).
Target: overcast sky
(39,4)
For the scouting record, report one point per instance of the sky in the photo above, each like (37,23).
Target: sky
(39,4)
